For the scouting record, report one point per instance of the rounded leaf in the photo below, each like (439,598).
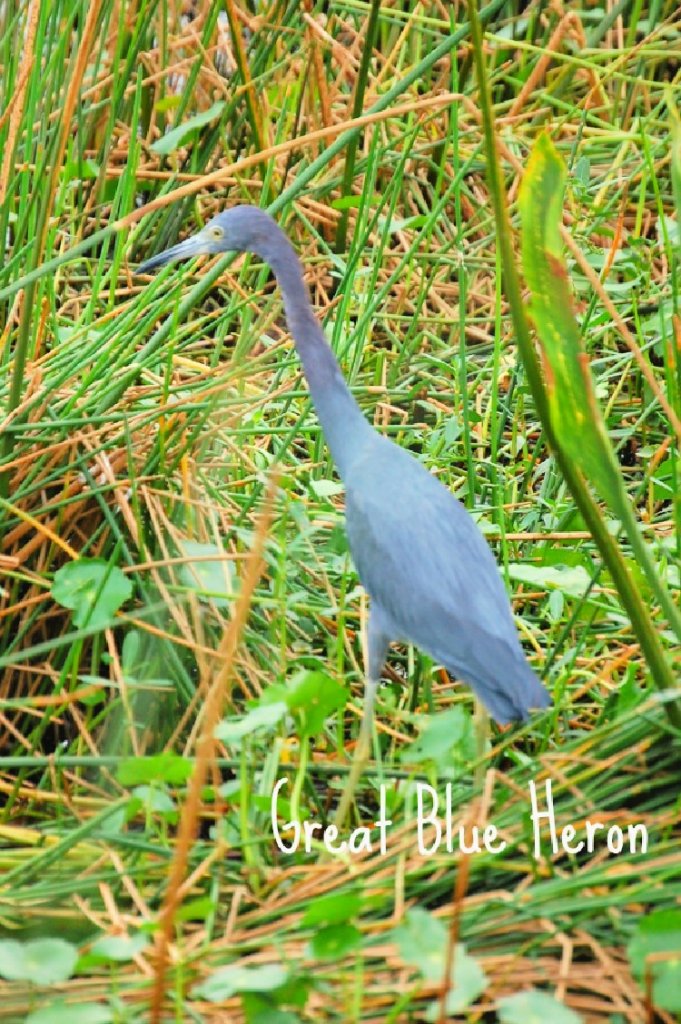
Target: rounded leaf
(41,961)
(71,1013)
(535,1007)
(92,589)
(656,946)
(227,981)
(335,941)
(120,948)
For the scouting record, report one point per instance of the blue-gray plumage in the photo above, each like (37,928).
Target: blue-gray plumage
(429,572)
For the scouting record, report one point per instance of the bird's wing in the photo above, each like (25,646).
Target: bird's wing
(415,545)
(424,562)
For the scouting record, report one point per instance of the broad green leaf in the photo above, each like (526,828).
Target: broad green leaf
(120,948)
(335,941)
(347,203)
(168,103)
(170,768)
(422,941)
(259,1010)
(12,966)
(131,650)
(71,1013)
(576,419)
(467,982)
(310,696)
(196,910)
(259,719)
(556,605)
(80,170)
(659,933)
(227,981)
(572,580)
(333,909)
(535,1007)
(326,488)
(177,137)
(156,800)
(92,589)
(41,961)
(574,411)
(212,580)
(447,733)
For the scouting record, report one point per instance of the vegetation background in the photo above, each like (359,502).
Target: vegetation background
(158,573)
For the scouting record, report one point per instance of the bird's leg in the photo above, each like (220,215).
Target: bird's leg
(377,646)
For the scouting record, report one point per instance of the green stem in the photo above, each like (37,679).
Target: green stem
(357,105)
(642,554)
(612,556)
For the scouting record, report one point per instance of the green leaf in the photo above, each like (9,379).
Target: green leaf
(335,941)
(582,170)
(333,909)
(92,589)
(120,948)
(468,981)
(168,103)
(212,581)
(261,718)
(326,488)
(659,933)
(347,203)
(131,651)
(534,1007)
(422,942)
(572,580)
(442,734)
(261,1011)
(556,605)
(12,960)
(577,423)
(311,697)
(196,910)
(41,961)
(80,170)
(178,136)
(71,1013)
(170,768)
(156,801)
(227,981)
(575,416)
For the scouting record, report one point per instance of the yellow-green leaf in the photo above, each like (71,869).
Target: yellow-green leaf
(576,418)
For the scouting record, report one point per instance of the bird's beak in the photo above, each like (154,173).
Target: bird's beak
(196,245)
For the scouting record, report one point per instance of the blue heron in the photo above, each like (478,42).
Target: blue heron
(430,575)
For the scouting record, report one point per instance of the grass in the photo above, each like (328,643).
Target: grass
(143,423)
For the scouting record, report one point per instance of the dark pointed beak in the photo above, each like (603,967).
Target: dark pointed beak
(197,245)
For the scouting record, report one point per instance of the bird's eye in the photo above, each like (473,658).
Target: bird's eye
(216,231)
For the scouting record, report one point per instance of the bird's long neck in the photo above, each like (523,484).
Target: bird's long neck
(345,427)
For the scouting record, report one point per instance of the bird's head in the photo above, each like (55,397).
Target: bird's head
(240,229)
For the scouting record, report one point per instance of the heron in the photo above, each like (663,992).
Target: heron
(430,575)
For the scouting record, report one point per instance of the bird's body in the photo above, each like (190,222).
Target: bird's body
(430,575)
(432,578)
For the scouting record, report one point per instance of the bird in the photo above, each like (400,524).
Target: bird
(431,577)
